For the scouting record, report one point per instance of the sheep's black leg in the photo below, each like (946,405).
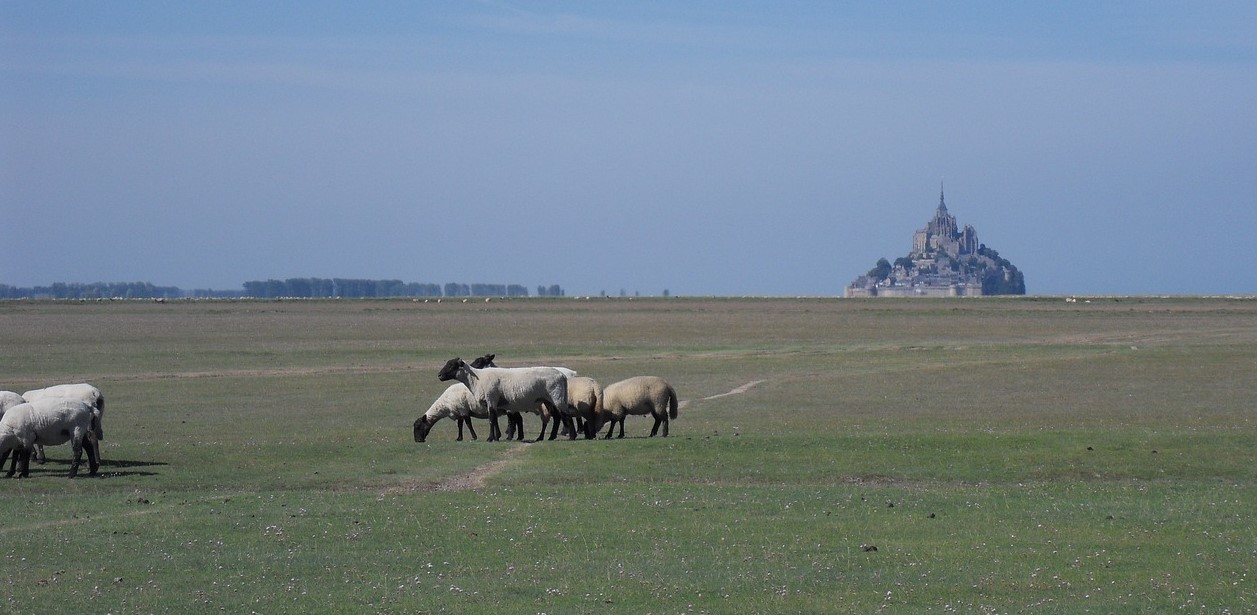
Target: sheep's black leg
(78,457)
(472,430)
(12,467)
(610,430)
(24,469)
(91,435)
(655,429)
(459,420)
(545,420)
(495,431)
(93,453)
(571,427)
(622,426)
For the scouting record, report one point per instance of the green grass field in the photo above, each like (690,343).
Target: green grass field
(1021,455)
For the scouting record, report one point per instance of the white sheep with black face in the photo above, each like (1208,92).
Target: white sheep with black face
(582,395)
(639,395)
(456,403)
(509,390)
(48,421)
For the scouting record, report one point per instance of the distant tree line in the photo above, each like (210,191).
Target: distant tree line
(338,287)
(97,290)
(271,289)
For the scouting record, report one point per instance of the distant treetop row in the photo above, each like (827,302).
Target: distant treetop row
(271,289)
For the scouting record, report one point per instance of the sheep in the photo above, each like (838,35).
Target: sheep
(583,397)
(82,391)
(514,421)
(8,399)
(639,395)
(50,421)
(458,402)
(510,390)
(581,412)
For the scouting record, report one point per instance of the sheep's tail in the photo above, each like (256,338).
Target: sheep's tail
(672,402)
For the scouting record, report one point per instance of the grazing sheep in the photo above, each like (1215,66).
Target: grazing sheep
(49,421)
(509,390)
(583,396)
(457,402)
(81,391)
(639,395)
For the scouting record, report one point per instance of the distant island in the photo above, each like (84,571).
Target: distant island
(945,261)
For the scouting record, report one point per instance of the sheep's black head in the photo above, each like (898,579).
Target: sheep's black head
(422,427)
(450,371)
(483,362)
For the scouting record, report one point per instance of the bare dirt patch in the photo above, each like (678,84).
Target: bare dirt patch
(476,479)
(479,477)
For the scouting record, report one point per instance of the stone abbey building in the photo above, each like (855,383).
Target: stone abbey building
(945,261)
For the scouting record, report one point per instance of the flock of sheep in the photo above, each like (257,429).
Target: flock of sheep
(51,416)
(74,413)
(483,390)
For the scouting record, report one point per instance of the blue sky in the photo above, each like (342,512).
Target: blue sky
(725,148)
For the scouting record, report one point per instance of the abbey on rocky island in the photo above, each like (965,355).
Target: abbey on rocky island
(945,261)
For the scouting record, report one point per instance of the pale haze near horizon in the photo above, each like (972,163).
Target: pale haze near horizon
(707,148)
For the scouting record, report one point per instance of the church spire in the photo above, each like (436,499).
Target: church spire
(941,205)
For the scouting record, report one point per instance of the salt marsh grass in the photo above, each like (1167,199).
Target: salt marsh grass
(994,455)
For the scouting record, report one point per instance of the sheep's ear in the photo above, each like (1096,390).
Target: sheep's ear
(490,356)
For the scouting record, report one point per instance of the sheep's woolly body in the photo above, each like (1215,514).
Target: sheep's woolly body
(639,395)
(518,389)
(48,421)
(509,390)
(583,394)
(455,402)
(81,391)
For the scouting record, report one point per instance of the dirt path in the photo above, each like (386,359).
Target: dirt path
(738,391)
(479,477)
